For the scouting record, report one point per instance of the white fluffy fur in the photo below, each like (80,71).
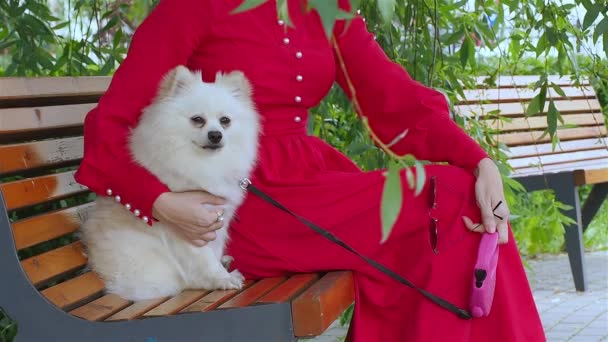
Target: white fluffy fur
(140,262)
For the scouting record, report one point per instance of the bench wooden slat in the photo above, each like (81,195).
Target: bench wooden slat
(21,157)
(12,88)
(564,134)
(28,119)
(519,95)
(46,266)
(587,177)
(101,308)
(558,158)
(252,293)
(75,290)
(31,191)
(571,166)
(519,109)
(37,229)
(524,81)
(540,122)
(583,147)
(315,309)
(289,289)
(136,309)
(564,146)
(215,299)
(177,303)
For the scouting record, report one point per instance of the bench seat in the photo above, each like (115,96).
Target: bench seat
(47,287)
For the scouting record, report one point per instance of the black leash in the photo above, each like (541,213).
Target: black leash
(245,184)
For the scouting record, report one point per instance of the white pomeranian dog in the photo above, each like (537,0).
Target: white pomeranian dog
(193,136)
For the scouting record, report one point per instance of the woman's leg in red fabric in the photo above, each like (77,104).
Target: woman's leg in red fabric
(267,242)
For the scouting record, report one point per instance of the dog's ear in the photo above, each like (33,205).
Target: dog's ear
(178,78)
(237,83)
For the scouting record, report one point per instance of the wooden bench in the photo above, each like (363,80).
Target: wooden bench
(581,157)
(46,286)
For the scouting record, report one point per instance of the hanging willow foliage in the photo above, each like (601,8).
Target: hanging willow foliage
(441,43)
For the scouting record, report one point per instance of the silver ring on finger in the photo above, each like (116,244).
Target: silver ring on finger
(220,217)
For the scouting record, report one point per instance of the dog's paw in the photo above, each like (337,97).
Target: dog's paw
(226,261)
(233,282)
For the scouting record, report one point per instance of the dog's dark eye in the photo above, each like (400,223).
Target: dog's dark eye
(224,120)
(198,120)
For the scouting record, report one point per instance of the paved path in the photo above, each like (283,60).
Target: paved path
(567,315)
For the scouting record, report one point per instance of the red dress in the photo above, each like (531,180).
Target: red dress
(292,70)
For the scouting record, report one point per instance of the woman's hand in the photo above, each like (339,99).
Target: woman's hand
(491,201)
(190,214)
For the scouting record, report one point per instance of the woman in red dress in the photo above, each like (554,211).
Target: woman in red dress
(292,69)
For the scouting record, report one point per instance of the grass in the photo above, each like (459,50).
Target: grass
(8,328)
(596,235)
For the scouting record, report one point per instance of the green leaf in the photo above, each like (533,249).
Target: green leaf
(552,116)
(392,198)
(420,178)
(248,4)
(328,11)
(534,106)
(472,60)
(283,10)
(586,3)
(345,15)
(44,58)
(40,10)
(117,38)
(454,37)
(409,160)
(551,36)
(606,43)
(108,14)
(387,9)
(358,147)
(601,28)
(554,141)
(515,47)
(60,62)
(107,67)
(409,176)
(542,96)
(37,25)
(558,89)
(111,23)
(465,51)
(541,45)
(7,43)
(346,317)
(591,15)
(61,25)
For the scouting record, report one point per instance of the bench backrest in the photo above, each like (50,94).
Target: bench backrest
(41,145)
(583,142)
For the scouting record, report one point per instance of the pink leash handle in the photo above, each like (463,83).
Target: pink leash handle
(484,276)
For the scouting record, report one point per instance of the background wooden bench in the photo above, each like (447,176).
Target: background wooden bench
(580,159)
(46,286)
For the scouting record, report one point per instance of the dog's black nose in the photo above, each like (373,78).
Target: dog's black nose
(215,136)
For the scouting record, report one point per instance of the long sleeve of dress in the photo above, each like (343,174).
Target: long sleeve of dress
(166,38)
(394,103)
